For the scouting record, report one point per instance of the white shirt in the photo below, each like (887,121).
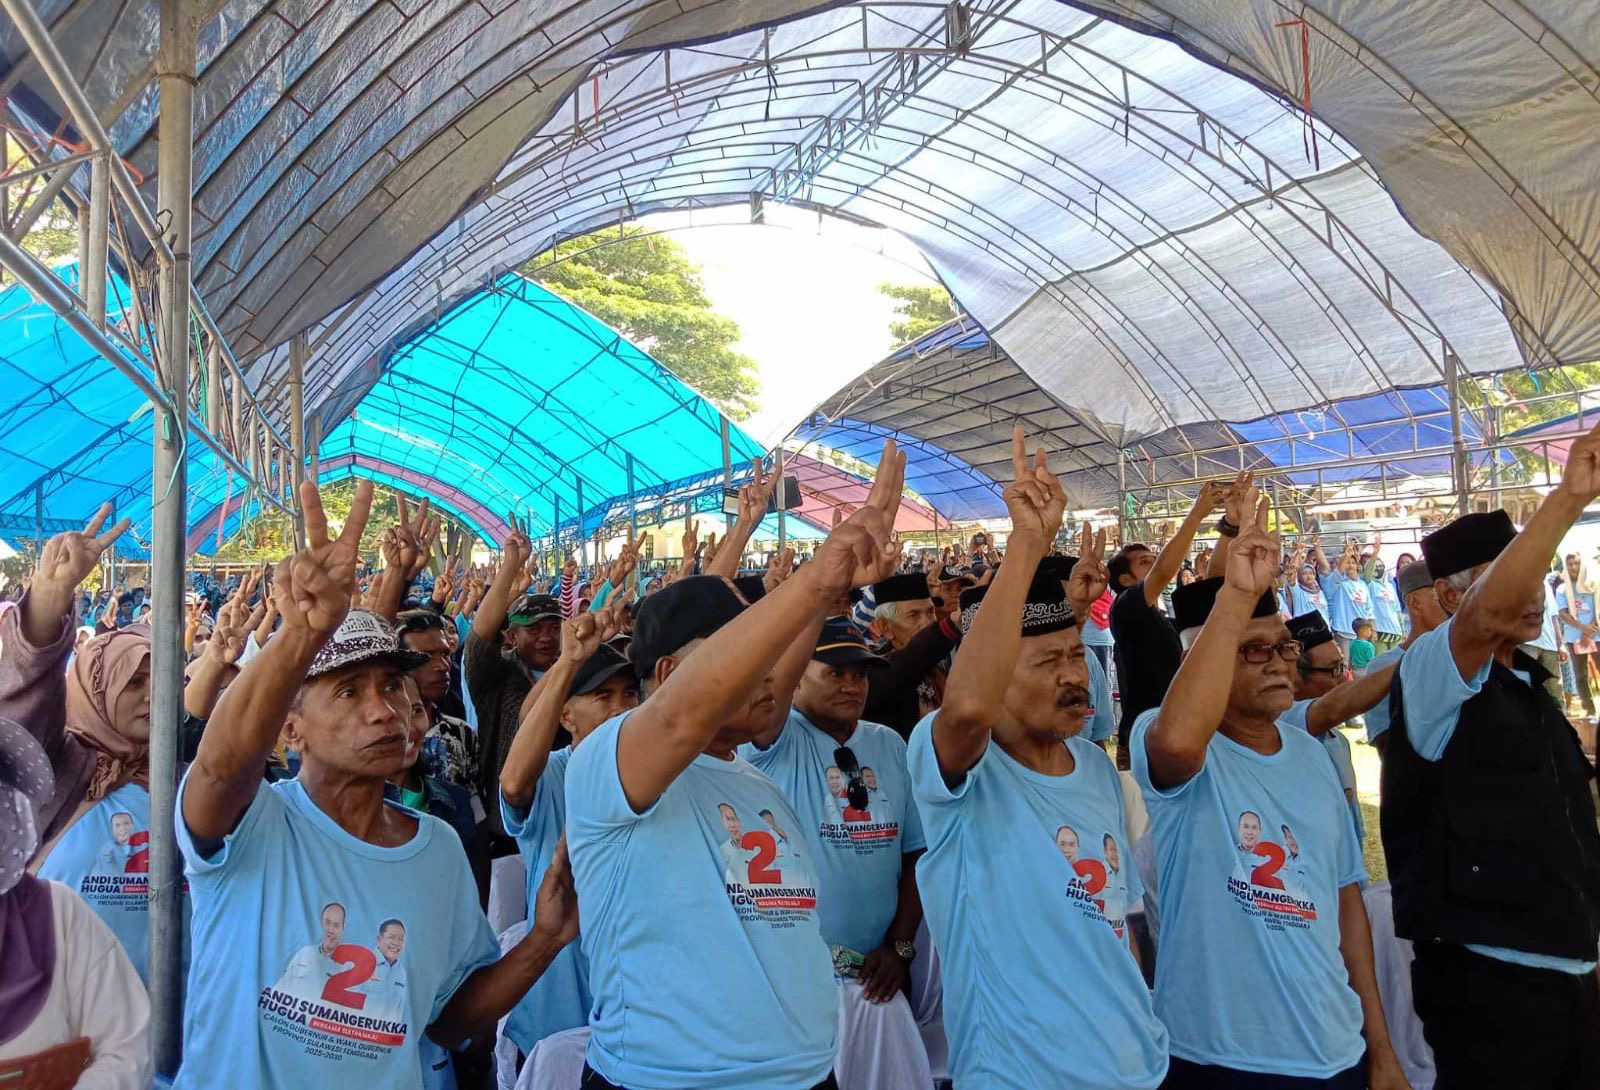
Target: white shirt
(94,993)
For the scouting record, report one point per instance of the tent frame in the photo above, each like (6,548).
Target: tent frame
(253,448)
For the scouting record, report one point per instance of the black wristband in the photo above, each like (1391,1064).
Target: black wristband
(1226,528)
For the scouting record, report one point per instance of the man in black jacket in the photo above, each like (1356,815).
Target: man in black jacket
(919,638)
(1488,820)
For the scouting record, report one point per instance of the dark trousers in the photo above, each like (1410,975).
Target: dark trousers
(1581,663)
(1183,1075)
(1491,1023)
(593,1080)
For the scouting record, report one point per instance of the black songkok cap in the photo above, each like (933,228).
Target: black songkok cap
(1311,629)
(753,587)
(679,612)
(1467,542)
(1191,605)
(1044,611)
(1058,567)
(907,587)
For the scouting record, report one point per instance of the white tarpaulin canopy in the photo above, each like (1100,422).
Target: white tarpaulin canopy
(1127,195)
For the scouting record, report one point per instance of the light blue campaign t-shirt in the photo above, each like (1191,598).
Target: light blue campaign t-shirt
(700,924)
(1377,716)
(320,959)
(1337,747)
(1433,690)
(1026,885)
(1584,614)
(857,852)
(1347,602)
(1252,853)
(1302,601)
(560,998)
(104,857)
(1102,721)
(1386,609)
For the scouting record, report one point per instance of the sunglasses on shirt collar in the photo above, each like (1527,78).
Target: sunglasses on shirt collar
(855,790)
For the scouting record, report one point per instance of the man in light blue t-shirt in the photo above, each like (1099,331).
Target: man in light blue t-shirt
(1025,900)
(701,983)
(1423,615)
(337,937)
(1256,982)
(589,683)
(864,838)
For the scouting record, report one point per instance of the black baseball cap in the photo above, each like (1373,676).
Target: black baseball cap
(599,668)
(688,609)
(533,608)
(841,643)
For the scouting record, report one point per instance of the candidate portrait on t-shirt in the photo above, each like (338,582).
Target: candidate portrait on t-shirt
(308,971)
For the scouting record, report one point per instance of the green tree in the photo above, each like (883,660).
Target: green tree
(646,288)
(921,308)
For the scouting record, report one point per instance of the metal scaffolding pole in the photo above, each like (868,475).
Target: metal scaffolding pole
(1458,458)
(633,505)
(727,471)
(169,531)
(1122,497)
(299,350)
(92,278)
(783,499)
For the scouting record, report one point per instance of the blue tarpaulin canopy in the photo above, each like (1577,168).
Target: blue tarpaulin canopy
(513,401)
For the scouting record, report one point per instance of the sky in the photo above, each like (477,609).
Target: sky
(803,289)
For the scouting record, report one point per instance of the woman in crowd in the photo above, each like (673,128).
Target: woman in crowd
(93,723)
(72,1010)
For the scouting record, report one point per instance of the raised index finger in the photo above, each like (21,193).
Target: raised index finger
(1019,453)
(360,510)
(316,519)
(98,520)
(115,532)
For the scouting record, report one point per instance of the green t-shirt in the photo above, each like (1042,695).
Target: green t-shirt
(1361,653)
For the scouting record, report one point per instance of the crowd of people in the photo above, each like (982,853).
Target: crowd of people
(1046,816)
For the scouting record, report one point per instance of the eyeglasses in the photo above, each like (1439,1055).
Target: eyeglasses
(1336,669)
(1258,653)
(855,790)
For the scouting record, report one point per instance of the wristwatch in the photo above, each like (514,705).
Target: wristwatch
(905,950)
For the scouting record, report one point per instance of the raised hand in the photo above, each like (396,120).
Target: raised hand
(1234,508)
(1090,576)
(691,537)
(757,495)
(1211,496)
(516,548)
(1253,560)
(68,558)
(234,624)
(581,636)
(779,567)
(1034,498)
(417,536)
(626,560)
(314,587)
(864,548)
(708,551)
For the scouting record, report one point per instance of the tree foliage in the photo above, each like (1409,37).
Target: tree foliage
(646,288)
(920,308)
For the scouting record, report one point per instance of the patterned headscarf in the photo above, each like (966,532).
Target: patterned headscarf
(98,676)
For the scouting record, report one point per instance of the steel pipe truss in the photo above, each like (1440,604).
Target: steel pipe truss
(91,182)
